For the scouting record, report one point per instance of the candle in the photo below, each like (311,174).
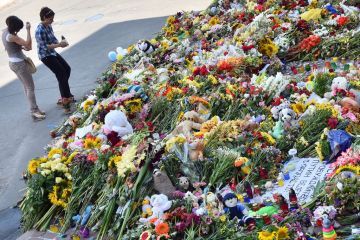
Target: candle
(266,219)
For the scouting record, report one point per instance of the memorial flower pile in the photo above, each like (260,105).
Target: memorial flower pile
(237,122)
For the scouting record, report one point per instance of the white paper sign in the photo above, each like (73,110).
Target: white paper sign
(81,132)
(303,179)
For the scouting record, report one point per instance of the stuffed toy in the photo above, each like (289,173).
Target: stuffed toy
(138,90)
(185,127)
(146,207)
(196,149)
(146,47)
(235,209)
(184,183)
(275,111)
(193,116)
(159,204)
(338,83)
(328,230)
(350,104)
(287,117)
(116,121)
(83,219)
(162,183)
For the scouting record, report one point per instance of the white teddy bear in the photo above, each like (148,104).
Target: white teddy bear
(287,117)
(275,111)
(159,203)
(117,121)
(339,83)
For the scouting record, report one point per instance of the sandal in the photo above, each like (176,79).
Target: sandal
(59,102)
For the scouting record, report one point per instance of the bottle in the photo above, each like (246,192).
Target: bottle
(63,39)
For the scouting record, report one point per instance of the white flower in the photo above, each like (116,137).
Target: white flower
(59,180)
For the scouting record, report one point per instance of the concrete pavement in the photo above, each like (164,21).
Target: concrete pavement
(92,28)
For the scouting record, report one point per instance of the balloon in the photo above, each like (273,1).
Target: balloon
(112,56)
(121,51)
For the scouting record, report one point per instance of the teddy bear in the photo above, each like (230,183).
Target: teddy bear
(185,127)
(338,84)
(287,117)
(196,149)
(162,183)
(145,46)
(159,204)
(116,121)
(275,111)
(184,183)
(146,207)
(193,116)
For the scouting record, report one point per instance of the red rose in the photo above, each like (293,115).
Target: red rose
(342,21)
(332,123)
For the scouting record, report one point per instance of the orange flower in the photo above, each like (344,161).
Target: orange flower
(162,228)
(153,220)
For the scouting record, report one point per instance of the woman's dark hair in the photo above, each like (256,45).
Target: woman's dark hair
(46,12)
(14,24)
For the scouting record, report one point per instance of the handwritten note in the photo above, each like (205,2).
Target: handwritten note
(303,179)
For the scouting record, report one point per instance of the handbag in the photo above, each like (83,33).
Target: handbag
(30,65)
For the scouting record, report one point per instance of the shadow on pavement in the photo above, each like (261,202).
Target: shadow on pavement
(23,139)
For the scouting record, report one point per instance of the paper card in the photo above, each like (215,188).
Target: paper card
(303,179)
(81,132)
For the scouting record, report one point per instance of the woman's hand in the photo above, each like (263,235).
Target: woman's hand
(28,25)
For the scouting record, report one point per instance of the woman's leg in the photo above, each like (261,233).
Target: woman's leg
(61,74)
(67,69)
(26,79)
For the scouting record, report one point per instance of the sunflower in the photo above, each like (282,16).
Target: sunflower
(162,228)
(32,166)
(265,235)
(213,21)
(54,151)
(174,39)
(282,233)
(92,142)
(298,107)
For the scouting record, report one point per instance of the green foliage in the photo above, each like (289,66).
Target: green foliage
(322,83)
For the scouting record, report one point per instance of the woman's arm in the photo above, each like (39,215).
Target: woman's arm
(27,44)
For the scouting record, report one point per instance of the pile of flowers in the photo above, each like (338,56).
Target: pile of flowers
(183,139)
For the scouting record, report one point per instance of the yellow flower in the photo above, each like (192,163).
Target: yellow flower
(126,162)
(134,105)
(265,235)
(312,14)
(222,218)
(174,140)
(71,158)
(318,151)
(113,161)
(32,166)
(212,79)
(165,45)
(87,104)
(282,233)
(92,142)
(354,169)
(268,47)
(54,151)
(298,107)
(170,20)
(174,39)
(268,138)
(213,21)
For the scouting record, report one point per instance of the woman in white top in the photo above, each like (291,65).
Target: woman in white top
(14,45)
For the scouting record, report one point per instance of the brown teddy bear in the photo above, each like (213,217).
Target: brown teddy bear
(196,149)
